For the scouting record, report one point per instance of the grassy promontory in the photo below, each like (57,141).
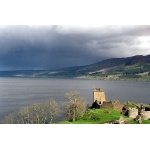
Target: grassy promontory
(97,116)
(105,116)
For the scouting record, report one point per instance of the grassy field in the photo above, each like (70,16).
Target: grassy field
(96,116)
(102,116)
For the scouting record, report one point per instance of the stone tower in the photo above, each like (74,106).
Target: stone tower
(99,95)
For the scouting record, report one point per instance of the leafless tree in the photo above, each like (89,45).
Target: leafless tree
(52,109)
(9,119)
(37,113)
(74,105)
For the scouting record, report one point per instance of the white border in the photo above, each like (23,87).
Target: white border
(74,12)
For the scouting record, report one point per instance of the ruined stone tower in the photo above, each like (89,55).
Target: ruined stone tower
(99,95)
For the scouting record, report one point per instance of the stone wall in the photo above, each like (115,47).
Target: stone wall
(107,105)
(145,115)
(117,105)
(132,113)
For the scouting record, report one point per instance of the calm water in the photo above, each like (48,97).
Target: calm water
(18,92)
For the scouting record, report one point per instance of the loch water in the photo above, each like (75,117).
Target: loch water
(19,92)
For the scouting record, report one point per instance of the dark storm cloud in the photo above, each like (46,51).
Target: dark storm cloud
(50,47)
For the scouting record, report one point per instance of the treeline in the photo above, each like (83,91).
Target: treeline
(44,113)
(137,70)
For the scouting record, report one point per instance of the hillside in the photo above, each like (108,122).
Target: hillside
(104,116)
(97,116)
(136,67)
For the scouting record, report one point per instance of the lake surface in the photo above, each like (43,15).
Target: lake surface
(19,92)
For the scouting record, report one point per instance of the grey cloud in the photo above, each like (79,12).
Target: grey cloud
(51,47)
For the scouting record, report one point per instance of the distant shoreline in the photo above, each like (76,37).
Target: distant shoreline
(116,79)
(83,78)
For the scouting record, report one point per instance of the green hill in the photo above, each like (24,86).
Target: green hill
(98,116)
(103,116)
(130,68)
(135,68)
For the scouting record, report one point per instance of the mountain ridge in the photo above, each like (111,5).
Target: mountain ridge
(134,67)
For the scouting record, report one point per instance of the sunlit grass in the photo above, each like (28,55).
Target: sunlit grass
(97,116)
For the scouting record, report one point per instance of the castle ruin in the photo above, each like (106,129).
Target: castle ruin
(99,95)
(138,113)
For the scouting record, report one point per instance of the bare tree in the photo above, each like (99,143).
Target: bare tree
(52,109)
(74,106)
(24,116)
(37,113)
(9,119)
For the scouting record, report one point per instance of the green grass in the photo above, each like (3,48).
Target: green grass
(132,104)
(97,116)
(145,122)
(101,116)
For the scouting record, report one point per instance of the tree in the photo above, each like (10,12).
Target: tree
(37,113)
(52,109)
(74,106)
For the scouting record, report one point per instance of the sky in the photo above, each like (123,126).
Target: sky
(47,34)
(51,47)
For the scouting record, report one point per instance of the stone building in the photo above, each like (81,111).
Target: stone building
(116,105)
(99,95)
